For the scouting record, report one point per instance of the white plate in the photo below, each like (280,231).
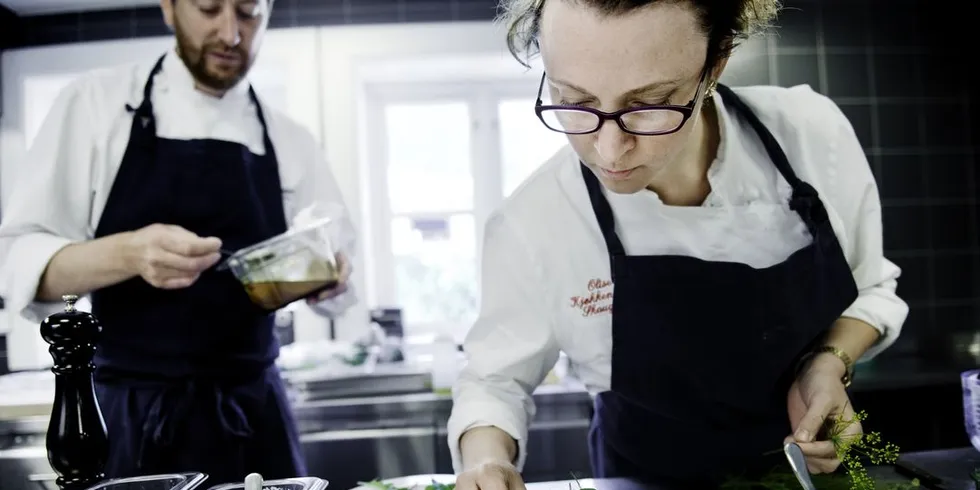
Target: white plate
(414,481)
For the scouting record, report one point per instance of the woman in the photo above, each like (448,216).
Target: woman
(710,261)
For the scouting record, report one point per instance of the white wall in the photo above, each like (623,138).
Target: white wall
(317,74)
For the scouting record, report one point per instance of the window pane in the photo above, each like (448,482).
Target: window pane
(435,268)
(429,157)
(525,143)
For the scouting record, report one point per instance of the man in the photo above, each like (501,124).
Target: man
(140,178)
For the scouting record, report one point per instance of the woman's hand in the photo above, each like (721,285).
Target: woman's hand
(818,395)
(491,475)
(341,286)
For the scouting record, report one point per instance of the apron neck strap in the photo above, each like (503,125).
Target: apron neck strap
(805,199)
(772,147)
(146,106)
(603,212)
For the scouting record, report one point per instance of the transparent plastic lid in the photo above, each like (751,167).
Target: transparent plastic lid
(313,225)
(181,481)
(971,405)
(306,483)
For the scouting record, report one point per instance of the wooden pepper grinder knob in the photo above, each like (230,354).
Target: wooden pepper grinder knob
(76,440)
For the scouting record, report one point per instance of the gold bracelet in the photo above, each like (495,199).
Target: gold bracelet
(838,353)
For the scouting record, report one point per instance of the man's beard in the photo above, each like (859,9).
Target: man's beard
(196,61)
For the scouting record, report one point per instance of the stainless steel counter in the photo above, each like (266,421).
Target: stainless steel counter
(351,439)
(384,437)
(356,439)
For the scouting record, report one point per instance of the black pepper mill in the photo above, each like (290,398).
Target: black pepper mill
(76,440)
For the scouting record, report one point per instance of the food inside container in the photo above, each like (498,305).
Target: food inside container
(294,265)
(181,481)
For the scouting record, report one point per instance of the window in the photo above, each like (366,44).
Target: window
(430,188)
(442,158)
(524,142)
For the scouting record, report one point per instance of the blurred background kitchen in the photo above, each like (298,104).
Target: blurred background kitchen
(428,124)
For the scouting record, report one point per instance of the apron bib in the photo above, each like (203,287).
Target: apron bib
(703,352)
(186,378)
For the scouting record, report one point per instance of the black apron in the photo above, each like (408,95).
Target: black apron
(186,378)
(703,353)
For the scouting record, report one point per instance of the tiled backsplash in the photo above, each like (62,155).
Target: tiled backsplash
(902,86)
(882,63)
(918,123)
(118,24)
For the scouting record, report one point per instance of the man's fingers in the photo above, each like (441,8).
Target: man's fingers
(345,267)
(169,262)
(178,282)
(188,244)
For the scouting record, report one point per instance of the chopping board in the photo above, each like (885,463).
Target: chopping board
(952,467)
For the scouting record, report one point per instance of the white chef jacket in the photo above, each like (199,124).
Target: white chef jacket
(545,267)
(73,162)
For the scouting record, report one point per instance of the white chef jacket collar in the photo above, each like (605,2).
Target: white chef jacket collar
(178,77)
(734,181)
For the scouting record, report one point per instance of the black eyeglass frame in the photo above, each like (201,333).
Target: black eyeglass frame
(686,111)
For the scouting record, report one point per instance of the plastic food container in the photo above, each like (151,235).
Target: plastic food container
(970,381)
(296,264)
(306,483)
(181,481)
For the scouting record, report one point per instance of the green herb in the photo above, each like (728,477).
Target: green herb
(577,483)
(440,486)
(377,485)
(380,485)
(782,480)
(853,451)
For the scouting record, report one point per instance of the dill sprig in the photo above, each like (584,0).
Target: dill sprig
(854,451)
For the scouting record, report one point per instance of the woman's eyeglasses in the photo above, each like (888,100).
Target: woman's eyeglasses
(643,121)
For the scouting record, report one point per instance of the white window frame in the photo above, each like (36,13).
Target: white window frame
(483,98)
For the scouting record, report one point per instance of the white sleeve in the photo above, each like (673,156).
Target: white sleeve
(511,347)
(322,189)
(859,206)
(50,205)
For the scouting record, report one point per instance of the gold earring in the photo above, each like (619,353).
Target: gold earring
(710,92)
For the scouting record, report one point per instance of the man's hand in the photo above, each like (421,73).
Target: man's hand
(170,257)
(816,396)
(341,286)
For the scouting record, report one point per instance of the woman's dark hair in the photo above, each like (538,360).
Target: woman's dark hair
(726,22)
